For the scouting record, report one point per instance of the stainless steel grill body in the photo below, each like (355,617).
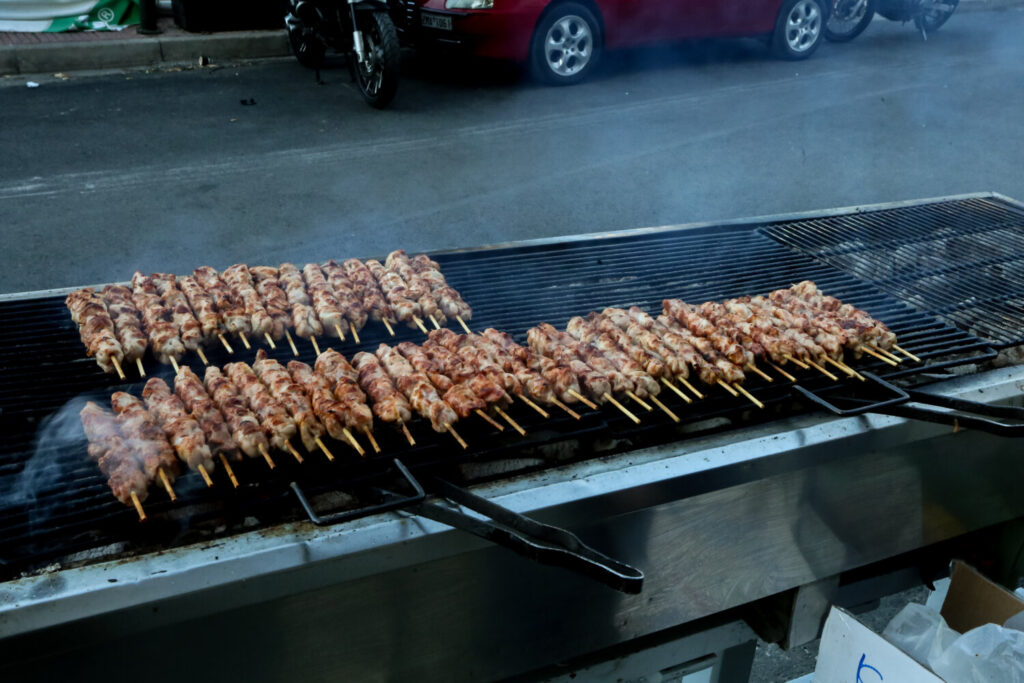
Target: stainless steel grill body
(717,523)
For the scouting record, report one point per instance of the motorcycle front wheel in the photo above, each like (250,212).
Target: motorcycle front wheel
(848,19)
(932,18)
(377,75)
(307,47)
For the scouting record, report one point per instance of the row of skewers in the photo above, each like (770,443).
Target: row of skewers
(171,315)
(612,357)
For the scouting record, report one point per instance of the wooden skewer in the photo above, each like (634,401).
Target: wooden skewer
(543,413)
(202,356)
(373,441)
(583,399)
(224,341)
(408,436)
(419,324)
(341,335)
(206,476)
(463,323)
(799,363)
(844,367)
(749,396)
(270,341)
(167,484)
(355,335)
(117,366)
(822,370)
(639,401)
(174,363)
(693,389)
(508,418)
(266,456)
(316,347)
(138,506)
(625,411)
(142,370)
(677,390)
(433,320)
(355,444)
(758,370)
(245,340)
(291,343)
(291,449)
(782,372)
(879,356)
(727,388)
(455,435)
(490,420)
(572,413)
(888,354)
(325,449)
(906,353)
(391,331)
(227,468)
(665,409)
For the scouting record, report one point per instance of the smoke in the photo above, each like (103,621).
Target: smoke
(47,470)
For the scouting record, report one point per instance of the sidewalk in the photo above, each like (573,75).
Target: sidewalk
(42,53)
(47,53)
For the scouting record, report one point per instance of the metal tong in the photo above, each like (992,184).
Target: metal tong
(911,403)
(543,543)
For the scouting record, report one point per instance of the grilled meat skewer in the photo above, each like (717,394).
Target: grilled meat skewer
(246,429)
(114,455)
(96,328)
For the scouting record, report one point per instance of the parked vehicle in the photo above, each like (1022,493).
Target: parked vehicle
(362,30)
(848,18)
(562,40)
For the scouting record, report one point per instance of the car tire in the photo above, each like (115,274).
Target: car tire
(799,29)
(566,44)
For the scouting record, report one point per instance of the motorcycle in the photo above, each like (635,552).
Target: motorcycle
(362,30)
(849,18)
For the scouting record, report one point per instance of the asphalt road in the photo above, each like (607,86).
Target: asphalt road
(105,174)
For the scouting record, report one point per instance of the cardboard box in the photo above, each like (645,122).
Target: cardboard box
(850,652)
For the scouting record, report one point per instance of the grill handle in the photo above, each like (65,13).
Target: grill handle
(912,404)
(546,544)
(960,413)
(393,501)
(897,396)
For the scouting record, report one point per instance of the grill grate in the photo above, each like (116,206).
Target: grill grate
(961,260)
(53,501)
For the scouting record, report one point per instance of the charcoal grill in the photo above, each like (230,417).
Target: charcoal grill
(680,502)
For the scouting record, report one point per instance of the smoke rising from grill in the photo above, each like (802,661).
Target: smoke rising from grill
(44,473)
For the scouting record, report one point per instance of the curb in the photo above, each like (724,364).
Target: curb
(135,52)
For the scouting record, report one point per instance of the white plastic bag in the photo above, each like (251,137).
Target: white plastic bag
(986,654)
(920,631)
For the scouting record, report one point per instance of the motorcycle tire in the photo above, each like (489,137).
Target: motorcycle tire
(378,77)
(931,22)
(307,48)
(836,32)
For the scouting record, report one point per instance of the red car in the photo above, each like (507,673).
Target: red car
(562,40)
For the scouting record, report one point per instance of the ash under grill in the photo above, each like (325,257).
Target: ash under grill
(961,260)
(54,501)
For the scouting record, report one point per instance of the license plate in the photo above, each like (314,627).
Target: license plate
(436,21)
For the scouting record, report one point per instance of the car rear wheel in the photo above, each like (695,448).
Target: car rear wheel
(799,29)
(566,45)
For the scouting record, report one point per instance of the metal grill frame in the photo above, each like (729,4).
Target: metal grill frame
(122,523)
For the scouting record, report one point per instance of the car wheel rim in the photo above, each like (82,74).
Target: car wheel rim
(569,46)
(803,25)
